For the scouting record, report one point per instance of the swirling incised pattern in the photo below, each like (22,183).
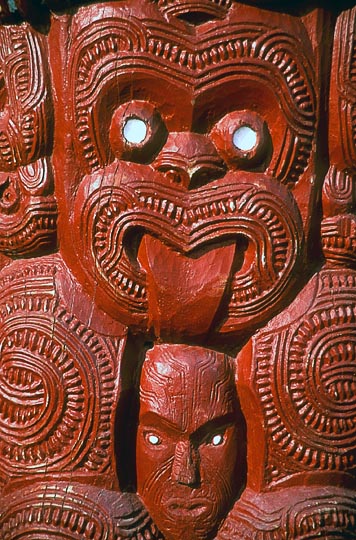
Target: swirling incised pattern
(187,223)
(25,122)
(57,380)
(299,513)
(306,380)
(123,203)
(59,511)
(28,218)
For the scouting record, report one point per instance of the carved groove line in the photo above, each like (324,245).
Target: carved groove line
(346,81)
(57,512)
(254,215)
(26,134)
(317,515)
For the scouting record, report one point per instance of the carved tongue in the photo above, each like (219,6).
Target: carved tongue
(183,293)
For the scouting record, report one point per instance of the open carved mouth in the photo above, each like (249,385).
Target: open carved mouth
(179,260)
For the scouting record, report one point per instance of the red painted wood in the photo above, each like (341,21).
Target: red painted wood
(177,270)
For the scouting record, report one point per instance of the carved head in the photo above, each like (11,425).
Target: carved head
(189,444)
(186,193)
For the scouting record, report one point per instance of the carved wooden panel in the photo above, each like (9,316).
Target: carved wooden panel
(177,270)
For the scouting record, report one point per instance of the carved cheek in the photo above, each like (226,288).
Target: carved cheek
(218,467)
(154,463)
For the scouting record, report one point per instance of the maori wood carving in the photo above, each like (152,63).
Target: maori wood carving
(177,270)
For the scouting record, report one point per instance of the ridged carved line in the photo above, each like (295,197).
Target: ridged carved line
(56,511)
(317,429)
(24,129)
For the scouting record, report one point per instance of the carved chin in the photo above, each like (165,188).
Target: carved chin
(216,259)
(188,518)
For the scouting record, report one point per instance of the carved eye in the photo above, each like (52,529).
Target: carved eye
(153,439)
(217,439)
(137,132)
(243,140)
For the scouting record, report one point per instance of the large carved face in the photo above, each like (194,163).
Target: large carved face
(188,173)
(188,441)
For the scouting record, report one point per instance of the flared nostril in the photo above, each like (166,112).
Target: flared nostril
(176,176)
(189,160)
(193,178)
(204,175)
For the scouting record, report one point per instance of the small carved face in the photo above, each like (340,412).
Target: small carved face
(188,440)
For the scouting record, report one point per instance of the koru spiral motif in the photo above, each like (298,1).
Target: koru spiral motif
(177,270)
(314,424)
(58,379)
(28,210)
(300,513)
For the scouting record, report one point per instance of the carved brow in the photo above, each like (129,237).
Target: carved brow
(154,420)
(209,427)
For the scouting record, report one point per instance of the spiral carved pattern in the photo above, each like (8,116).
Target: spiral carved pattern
(100,56)
(307,381)
(294,513)
(26,97)
(57,387)
(75,512)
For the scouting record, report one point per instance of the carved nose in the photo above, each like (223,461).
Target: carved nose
(189,160)
(185,469)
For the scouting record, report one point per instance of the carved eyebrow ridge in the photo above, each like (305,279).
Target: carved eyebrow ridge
(206,429)
(155,421)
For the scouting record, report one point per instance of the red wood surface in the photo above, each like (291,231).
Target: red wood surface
(177,270)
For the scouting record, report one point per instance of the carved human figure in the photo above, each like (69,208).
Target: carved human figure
(190,441)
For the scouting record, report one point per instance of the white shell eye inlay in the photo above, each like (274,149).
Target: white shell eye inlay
(135,130)
(217,439)
(244,138)
(153,439)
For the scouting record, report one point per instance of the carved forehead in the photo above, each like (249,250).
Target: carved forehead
(139,30)
(177,378)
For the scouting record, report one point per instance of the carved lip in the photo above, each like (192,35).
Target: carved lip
(186,221)
(185,506)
